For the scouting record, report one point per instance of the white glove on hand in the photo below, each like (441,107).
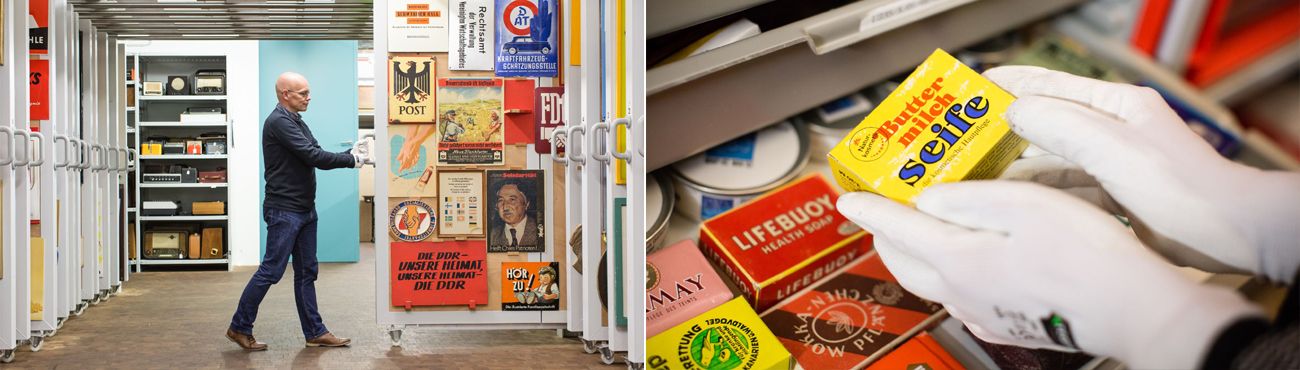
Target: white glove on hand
(1184,199)
(1008,258)
(361,151)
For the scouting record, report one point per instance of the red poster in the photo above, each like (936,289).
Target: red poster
(519,111)
(40,80)
(38,34)
(447,273)
(550,116)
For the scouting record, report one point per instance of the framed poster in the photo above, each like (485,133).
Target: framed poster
(410,162)
(38,27)
(411,98)
(470,126)
(438,274)
(411,220)
(525,43)
(472,27)
(39,77)
(460,203)
(418,26)
(549,113)
(515,209)
(530,286)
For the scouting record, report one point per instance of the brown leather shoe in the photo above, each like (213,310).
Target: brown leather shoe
(328,340)
(245,340)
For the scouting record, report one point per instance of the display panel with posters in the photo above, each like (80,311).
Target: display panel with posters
(438,274)
(411,98)
(460,203)
(417,26)
(526,43)
(472,28)
(515,209)
(530,286)
(470,122)
(411,165)
(411,220)
(549,109)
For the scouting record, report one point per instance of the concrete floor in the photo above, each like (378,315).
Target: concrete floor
(177,320)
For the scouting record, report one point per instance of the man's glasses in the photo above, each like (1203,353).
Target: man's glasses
(304,93)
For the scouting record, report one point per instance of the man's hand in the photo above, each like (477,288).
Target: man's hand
(1032,266)
(1183,198)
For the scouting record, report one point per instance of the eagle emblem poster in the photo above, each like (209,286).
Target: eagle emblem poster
(411,96)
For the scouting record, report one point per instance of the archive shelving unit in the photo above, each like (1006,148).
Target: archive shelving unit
(159,116)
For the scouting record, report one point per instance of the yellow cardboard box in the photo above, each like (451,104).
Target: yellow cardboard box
(944,123)
(730,336)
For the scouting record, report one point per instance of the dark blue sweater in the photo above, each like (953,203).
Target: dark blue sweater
(291,152)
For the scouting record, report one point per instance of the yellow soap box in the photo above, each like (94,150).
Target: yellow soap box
(944,123)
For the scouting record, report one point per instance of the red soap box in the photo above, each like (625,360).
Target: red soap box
(680,285)
(850,319)
(783,241)
(922,352)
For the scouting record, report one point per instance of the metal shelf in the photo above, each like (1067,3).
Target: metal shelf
(184,218)
(182,97)
(186,185)
(185,156)
(178,124)
(130,109)
(180,262)
(708,99)
(131,209)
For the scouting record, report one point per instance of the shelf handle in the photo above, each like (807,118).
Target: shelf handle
(612,143)
(640,125)
(132,159)
(9,154)
(41,142)
(599,151)
(555,153)
(64,138)
(573,147)
(26,152)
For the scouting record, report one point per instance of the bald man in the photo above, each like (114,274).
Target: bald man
(291,154)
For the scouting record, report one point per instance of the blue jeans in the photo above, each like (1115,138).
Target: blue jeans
(287,233)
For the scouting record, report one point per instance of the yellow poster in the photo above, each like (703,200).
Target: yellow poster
(575,33)
(38,278)
(411,97)
(620,90)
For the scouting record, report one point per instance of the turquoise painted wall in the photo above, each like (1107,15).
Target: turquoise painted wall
(331,71)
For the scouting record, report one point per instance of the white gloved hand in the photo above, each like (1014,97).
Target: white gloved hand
(1185,200)
(361,150)
(1008,257)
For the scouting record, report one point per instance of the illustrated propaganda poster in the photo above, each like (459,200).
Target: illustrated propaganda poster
(410,88)
(460,203)
(549,113)
(530,286)
(411,163)
(470,122)
(417,26)
(525,41)
(472,25)
(438,274)
(412,219)
(38,26)
(515,210)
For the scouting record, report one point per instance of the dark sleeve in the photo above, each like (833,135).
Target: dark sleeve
(292,137)
(1257,344)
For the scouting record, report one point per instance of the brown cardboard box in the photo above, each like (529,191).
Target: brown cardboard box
(368,221)
(214,244)
(208,208)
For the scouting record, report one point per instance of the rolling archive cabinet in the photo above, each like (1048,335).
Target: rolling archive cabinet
(581,185)
(62,161)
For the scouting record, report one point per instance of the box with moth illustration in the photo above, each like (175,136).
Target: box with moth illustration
(850,319)
(783,241)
